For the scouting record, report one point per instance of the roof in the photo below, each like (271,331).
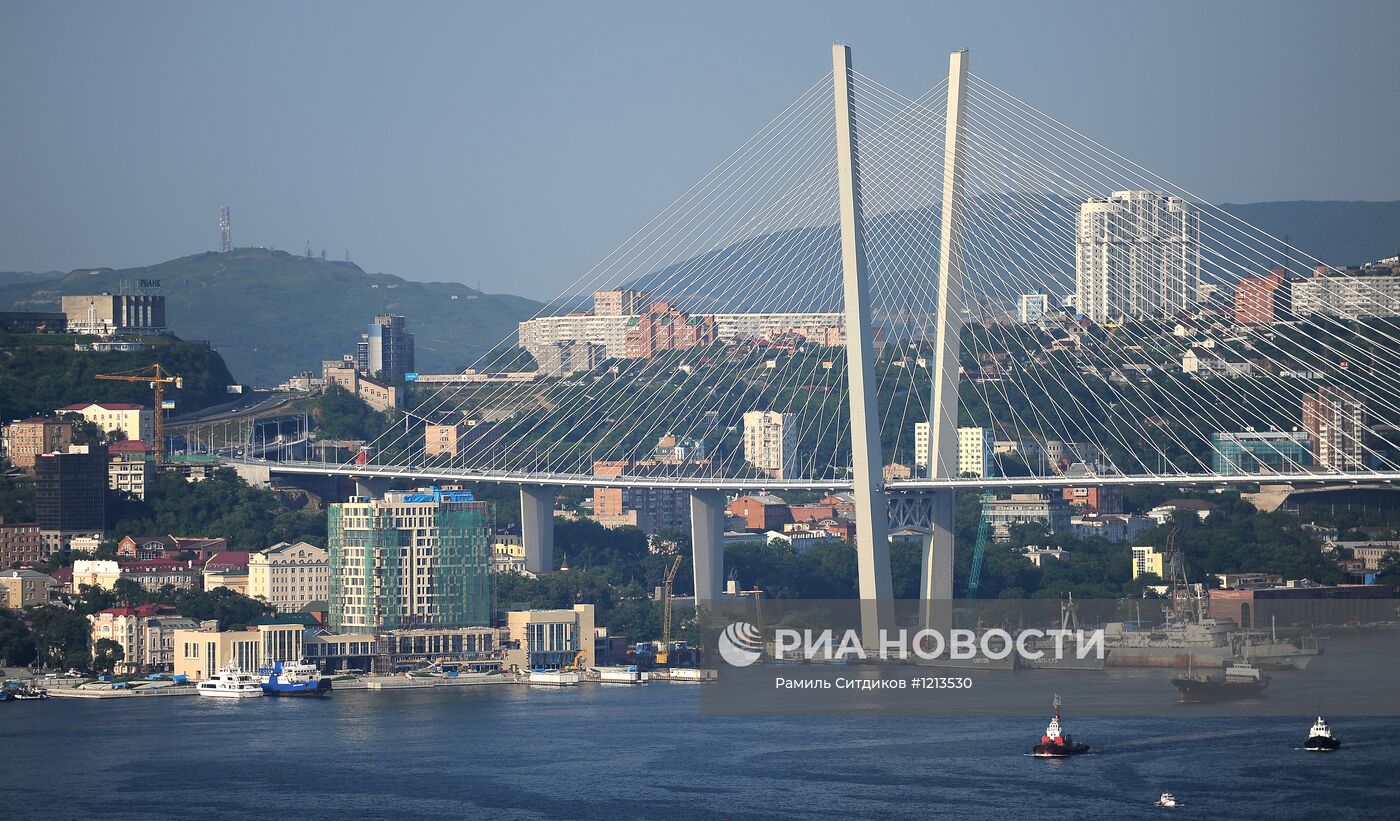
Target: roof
(129,446)
(25,573)
(763,498)
(286,618)
(143,610)
(63,575)
(153,565)
(282,547)
(82,406)
(227,560)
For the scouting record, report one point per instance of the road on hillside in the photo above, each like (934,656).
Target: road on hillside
(255,404)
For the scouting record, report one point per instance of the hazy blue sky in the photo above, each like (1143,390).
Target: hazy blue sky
(516,144)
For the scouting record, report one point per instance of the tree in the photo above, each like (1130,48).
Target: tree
(16,643)
(1390,565)
(106,655)
(129,593)
(60,637)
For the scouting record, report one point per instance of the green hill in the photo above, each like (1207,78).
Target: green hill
(272,314)
(41,372)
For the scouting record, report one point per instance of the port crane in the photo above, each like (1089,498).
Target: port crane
(157,377)
(664,654)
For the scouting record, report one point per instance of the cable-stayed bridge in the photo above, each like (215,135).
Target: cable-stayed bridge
(887,274)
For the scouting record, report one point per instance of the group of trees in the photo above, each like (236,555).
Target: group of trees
(221,506)
(36,379)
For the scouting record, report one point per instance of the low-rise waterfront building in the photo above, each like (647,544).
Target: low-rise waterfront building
(545,639)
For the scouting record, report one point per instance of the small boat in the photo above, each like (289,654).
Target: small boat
(230,682)
(1241,680)
(1167,800)
(1320,738)
(1056,743)
(297,678)
(29,693)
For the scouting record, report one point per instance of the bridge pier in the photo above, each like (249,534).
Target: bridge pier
(936,578)
(537,526)
(371,487)
(707,543)
(872,516)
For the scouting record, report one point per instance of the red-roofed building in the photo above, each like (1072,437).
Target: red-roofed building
(145,633)
(153,574)
(64,577)
(228,568)
(169,547)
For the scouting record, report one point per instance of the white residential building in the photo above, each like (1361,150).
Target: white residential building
(770,443)
(1347,294)
(606,333)
(974,449)
(1031,308)
(1137,256)
(289,576)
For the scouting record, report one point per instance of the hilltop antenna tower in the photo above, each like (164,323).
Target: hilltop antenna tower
(225,231)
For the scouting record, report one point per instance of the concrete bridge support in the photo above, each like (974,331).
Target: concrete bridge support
(537,526)
(371,487)
(872,516)
(707,543)
(937,575)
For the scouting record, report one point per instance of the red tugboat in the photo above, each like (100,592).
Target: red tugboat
(1056,743)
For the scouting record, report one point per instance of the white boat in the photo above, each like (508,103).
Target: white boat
(231,682)
(553,678)
(621,675)
(1167,800)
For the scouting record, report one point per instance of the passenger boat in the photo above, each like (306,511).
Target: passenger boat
(297,678)
(230,682)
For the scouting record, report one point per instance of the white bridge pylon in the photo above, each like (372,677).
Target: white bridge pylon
(870,263)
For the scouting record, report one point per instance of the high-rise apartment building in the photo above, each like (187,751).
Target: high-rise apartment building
(1262,300)
(1137,256)
(70,494)
(387,347)
(1335,421)
(624,302)
(664,327)
(413,559)
(974,449)
(770,443)
(1031,308)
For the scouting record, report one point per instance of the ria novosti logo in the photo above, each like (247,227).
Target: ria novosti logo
(740,644)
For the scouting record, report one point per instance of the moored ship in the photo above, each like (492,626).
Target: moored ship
(1320,738)
(1056,743)
(294,679)
(1241,680)
(230,682)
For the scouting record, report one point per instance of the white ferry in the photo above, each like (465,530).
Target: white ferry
(231,682)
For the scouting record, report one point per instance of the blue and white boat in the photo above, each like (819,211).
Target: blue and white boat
(294,679)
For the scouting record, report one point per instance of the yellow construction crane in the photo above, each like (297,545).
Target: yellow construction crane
(158,378)
(664,653)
